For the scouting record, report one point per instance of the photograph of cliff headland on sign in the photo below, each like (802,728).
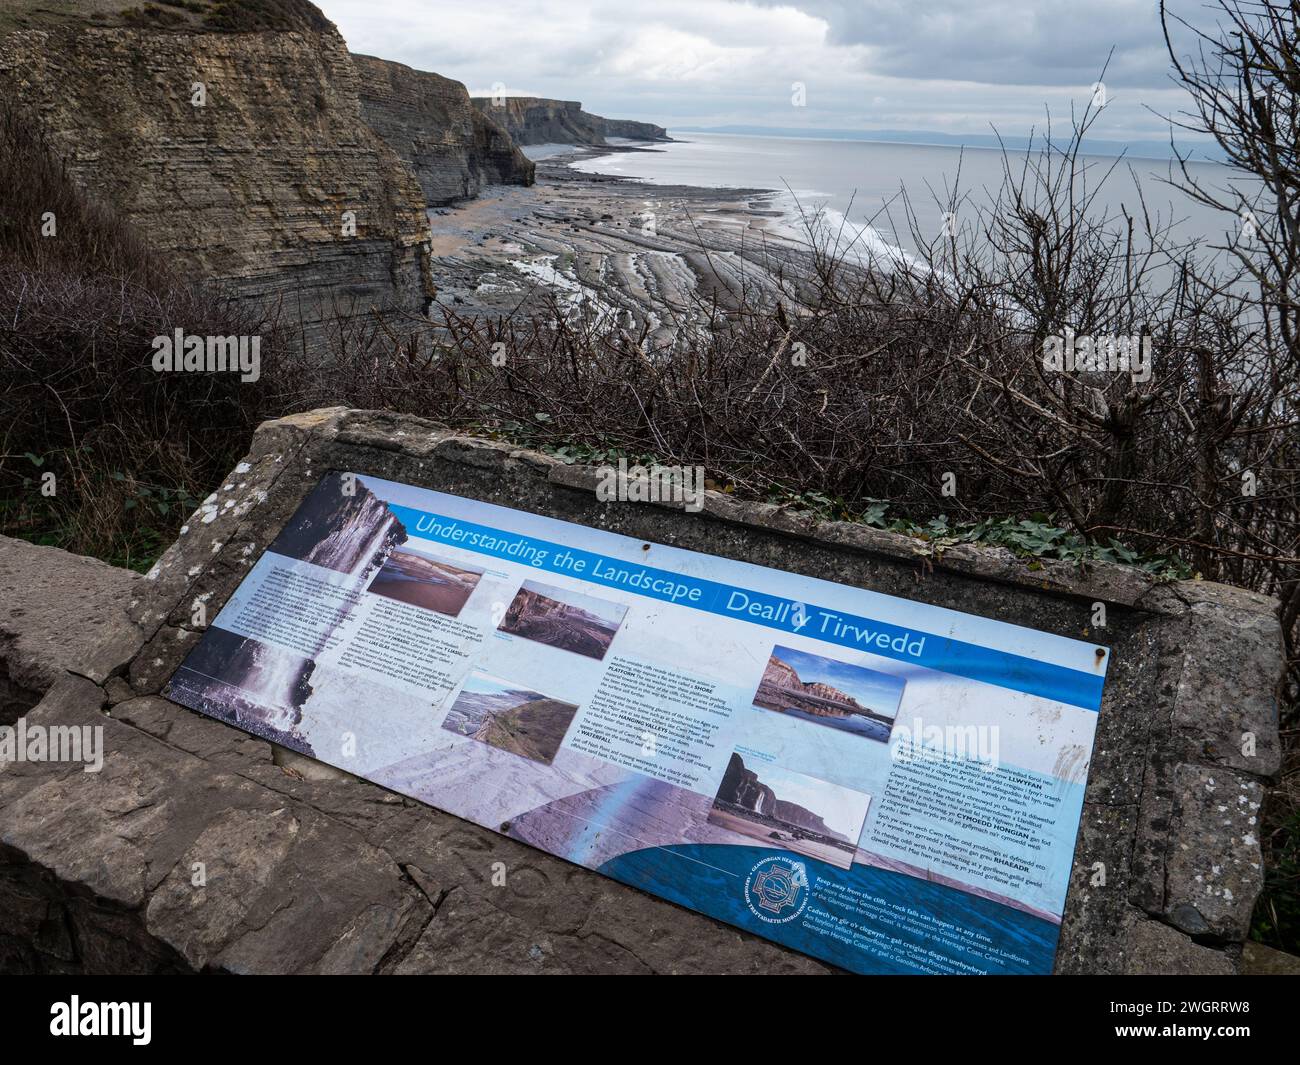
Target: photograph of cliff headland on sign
(561,618)
(510,717)
(790,810)
(410,576)
(828,692)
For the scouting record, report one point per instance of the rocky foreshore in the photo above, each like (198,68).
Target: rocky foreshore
(648,255)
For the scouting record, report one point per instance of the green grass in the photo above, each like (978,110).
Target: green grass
(226,16)
(253,16)
(116,518)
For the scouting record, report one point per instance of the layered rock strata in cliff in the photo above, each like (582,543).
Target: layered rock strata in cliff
(257,186)
(531,120)
(454,148)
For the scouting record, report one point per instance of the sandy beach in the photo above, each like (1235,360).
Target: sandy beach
(425,582)
(606,246)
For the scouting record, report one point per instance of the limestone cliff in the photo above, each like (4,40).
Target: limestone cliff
(428,120)
(253,186)
(531,120)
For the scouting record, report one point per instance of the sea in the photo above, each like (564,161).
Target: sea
(856,187)
(858,725)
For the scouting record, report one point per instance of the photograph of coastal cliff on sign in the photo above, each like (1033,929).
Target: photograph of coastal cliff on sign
(828,692)
(349,350)
(342,526)
(510,717)
(563,618)
(420,579)
(790,811)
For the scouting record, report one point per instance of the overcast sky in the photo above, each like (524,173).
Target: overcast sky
(955,66)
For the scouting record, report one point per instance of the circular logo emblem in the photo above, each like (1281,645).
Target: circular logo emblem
(776,890)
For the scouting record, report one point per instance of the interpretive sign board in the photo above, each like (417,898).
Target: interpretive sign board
(890,786)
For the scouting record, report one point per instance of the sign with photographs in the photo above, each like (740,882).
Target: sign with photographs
(890,786)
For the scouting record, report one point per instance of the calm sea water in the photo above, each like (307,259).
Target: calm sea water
(861,181)
(859,726)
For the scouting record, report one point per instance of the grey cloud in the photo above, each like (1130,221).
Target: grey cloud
(1027,56)
(1044,42)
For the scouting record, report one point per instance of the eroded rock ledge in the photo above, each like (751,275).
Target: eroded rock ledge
(532,120)
(251,187)
(238,154)
(309,870)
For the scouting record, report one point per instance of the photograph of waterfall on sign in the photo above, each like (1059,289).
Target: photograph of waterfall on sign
(245,682)
(510,717)
(564,619)
(829,692)
(342,526)
(410,576)
(790,810)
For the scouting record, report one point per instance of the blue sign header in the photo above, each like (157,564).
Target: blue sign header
(972,661)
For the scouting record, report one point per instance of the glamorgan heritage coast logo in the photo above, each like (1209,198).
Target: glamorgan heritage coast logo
(776,890)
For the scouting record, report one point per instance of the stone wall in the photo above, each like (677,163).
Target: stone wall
(310,870)
(59,613)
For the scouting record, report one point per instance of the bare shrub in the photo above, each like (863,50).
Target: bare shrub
(129,447)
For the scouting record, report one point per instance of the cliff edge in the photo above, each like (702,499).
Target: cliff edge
(241,154)
(532,120)
(453,148)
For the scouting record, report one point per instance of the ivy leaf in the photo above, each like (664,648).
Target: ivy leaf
(875,512)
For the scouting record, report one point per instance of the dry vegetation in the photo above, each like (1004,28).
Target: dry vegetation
(189,16)
(78,396)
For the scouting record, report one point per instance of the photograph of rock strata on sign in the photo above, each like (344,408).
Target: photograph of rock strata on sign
(790,810)
(827,692)
(510,717)
(561,618)
(423,580)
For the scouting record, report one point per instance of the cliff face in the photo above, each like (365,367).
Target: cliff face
(801,817)
(781,674)
(782,684)
(530,120)
(636,131)
(250,188)
(453,147)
